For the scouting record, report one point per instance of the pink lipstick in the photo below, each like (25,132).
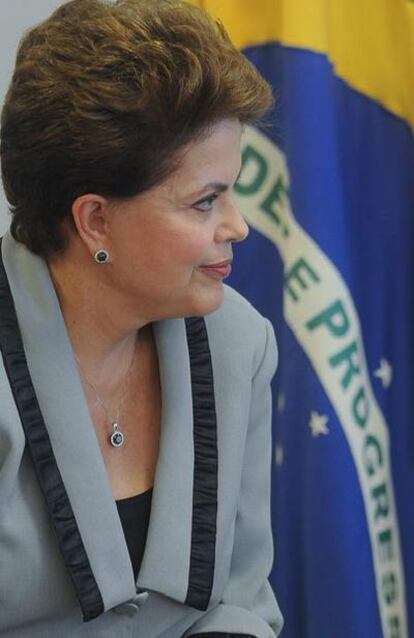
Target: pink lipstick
(220,270)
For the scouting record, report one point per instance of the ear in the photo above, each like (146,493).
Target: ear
(91,218)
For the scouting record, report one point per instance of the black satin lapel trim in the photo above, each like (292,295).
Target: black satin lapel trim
(40,448)
(204,520)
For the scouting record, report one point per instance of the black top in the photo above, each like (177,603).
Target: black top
(134,513)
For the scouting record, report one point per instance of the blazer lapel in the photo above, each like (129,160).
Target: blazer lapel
(180,551)
(62,441)
(179,555)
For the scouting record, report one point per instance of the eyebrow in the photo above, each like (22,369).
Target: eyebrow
(220,187)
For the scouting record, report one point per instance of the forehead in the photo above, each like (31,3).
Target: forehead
(214,156)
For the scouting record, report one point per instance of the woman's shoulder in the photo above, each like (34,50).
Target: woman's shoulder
(237,327)
(237,313)
(235,305)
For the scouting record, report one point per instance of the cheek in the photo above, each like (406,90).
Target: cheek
(166,248)
(182,250)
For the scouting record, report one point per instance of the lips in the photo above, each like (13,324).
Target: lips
(219,270)
(221,264)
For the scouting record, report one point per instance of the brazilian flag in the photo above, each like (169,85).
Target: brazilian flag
(328,192)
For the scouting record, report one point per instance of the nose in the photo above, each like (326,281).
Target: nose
(233,227)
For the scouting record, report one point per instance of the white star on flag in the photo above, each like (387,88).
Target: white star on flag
(317,424)
(384,372)
(279,455)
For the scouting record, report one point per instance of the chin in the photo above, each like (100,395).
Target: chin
(205,303)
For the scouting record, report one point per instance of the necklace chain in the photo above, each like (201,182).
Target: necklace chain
(117,438)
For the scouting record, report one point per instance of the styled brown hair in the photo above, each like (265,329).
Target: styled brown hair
(102,98)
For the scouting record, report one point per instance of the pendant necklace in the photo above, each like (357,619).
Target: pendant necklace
(117,437)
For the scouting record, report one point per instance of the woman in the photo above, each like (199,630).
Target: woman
(135,386)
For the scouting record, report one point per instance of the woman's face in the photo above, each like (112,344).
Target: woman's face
(160,239)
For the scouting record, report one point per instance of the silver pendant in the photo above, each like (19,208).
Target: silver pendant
(117,438)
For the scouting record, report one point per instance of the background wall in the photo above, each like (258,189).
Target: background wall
(15,18)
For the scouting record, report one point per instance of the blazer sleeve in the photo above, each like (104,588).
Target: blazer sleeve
(248,607)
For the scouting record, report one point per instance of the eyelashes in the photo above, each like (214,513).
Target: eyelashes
(206,204)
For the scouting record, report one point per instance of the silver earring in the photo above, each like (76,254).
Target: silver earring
(101,256)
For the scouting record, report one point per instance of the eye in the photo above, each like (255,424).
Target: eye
(206,204)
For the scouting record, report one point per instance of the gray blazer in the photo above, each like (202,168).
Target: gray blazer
(65,570)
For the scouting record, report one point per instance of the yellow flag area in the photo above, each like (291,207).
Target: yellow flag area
(369,42)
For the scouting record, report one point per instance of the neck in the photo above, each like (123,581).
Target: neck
(102,337)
